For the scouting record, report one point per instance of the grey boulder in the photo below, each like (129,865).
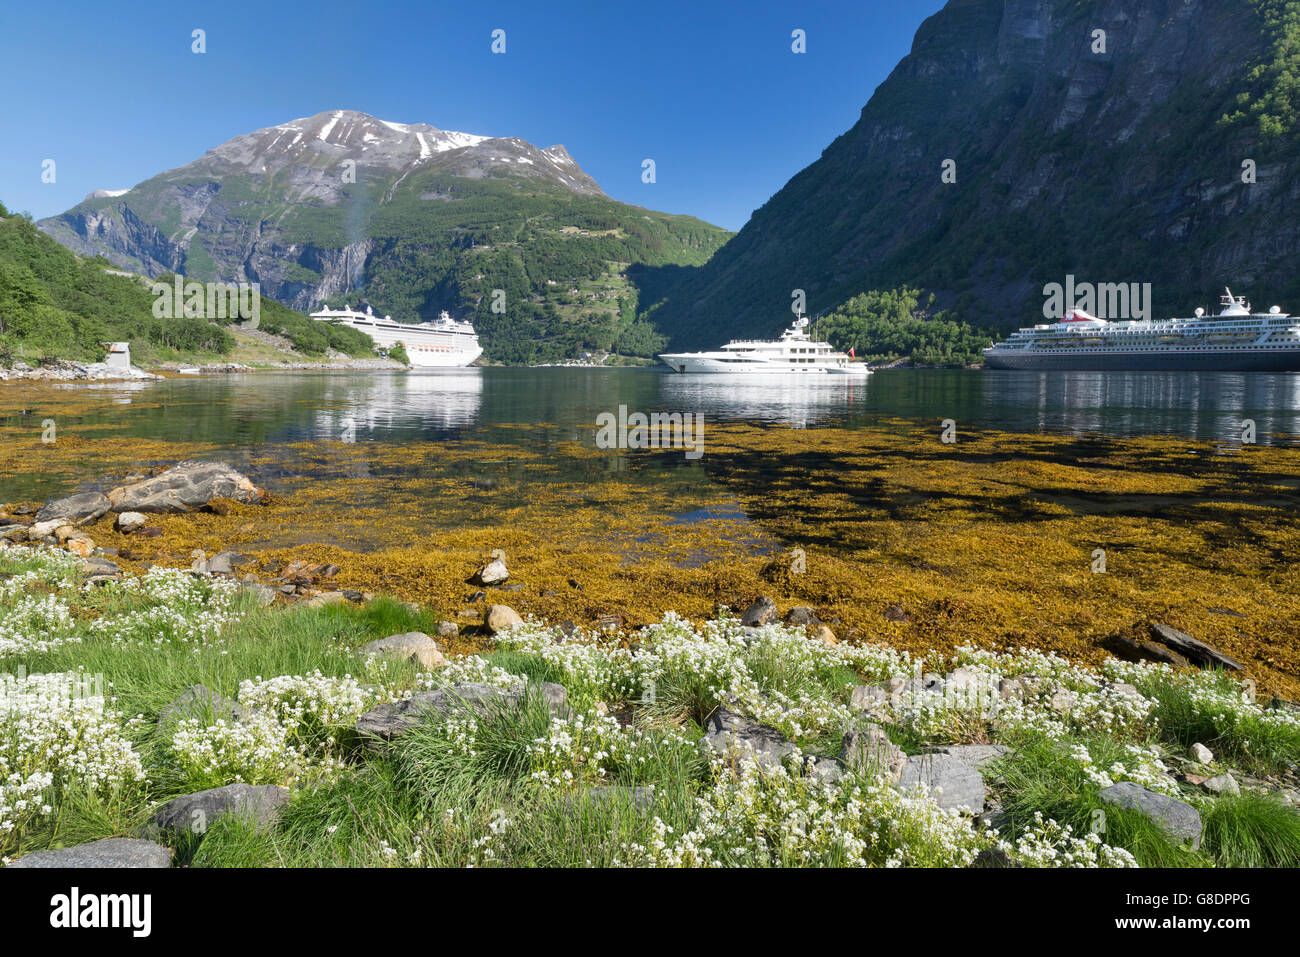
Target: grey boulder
(869,749)
(730,734)
(110,852)
(413,646)
(1176,818)
(975,755)
(195,813)
(183,487)
(389,721)
(761,612)
(80,509)
(1197,652)
(201,703)
(493,573)
(951,782)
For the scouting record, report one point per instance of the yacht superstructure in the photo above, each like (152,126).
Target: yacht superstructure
(794,352)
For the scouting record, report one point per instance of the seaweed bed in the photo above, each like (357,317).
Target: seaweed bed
(904,539)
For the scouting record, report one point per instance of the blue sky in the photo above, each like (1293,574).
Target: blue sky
(710,91)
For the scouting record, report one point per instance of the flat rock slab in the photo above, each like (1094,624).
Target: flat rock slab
(1176,818)
(976,755)
(110,852)
(1195,651)
(869,748)
(79,509)
(728,733)
(183,487)
(952,782)
(389,721)
(1143,649)
(195,813)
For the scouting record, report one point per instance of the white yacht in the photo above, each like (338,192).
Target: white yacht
(446,343)
(794,352)
(1236,340)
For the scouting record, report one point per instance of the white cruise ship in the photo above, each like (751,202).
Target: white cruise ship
(442,344)
(794,352)
(1236,340)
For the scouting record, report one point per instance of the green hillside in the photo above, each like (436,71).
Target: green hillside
(55,304)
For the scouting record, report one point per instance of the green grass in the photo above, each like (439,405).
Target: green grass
(1244,739)
(1040,777)
(1251,830)
(513,785)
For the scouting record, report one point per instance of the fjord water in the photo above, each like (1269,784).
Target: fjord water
(543,406)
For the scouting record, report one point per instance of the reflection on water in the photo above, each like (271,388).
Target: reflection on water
(418,402)
(1202,405)
(798,400)
(543,407)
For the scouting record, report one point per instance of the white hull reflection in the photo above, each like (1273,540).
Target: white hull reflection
(780,398)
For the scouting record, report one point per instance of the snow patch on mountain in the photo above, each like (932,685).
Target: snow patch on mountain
(324,134)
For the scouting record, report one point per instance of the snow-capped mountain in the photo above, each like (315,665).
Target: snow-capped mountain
(414,217)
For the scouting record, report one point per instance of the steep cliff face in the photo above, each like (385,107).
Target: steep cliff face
(1114,165)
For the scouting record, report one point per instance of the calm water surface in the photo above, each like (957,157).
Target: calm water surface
(246,412)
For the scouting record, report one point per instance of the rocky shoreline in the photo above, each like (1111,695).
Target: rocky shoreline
(66,370)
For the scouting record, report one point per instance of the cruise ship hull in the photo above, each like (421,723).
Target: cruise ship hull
(1263,360)
(427,345)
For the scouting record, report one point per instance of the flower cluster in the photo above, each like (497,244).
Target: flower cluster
(773,816)
(178,607)
(254,751)
(1051,844)
(53,736)
(33,624)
